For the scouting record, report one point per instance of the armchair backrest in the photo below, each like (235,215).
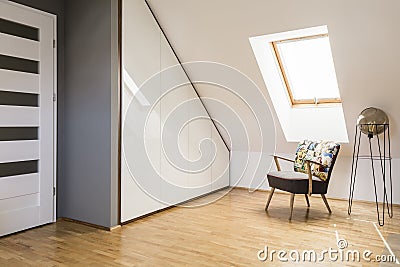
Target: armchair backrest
(322,152)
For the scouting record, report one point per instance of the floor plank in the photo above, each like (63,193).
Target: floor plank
(228,232)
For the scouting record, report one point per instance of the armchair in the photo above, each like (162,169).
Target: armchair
(313,166)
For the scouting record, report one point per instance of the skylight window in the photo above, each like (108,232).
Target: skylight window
(304,56)
(307,69)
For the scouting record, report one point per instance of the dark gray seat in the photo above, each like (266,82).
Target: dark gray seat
(296,182)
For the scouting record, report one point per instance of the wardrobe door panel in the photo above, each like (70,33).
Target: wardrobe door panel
(140,60)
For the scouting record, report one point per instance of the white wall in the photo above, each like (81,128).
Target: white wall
(364,39)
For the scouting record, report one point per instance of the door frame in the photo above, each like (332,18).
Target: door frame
(55,95)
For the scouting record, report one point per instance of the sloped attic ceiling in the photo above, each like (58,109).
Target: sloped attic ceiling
(364,38)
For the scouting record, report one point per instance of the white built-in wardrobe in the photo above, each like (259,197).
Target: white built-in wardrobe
(171,150)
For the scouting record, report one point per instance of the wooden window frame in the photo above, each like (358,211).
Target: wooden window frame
(296,102)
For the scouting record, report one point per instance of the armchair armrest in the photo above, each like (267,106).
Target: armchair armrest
(279,157)
(308,164)
(309,177)
(314,162)
(278,166)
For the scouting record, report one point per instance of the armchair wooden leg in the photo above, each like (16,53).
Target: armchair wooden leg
(269,198)
(326,203)
(307,200)
(291,205)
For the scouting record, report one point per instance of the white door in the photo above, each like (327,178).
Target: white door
(27,118)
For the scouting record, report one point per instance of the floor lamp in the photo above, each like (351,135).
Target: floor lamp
(373,122)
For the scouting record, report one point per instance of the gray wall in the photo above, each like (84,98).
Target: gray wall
(88,190)
(56,7)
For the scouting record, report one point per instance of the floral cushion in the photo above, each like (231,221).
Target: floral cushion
(323,152)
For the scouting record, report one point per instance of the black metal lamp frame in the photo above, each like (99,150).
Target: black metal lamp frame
(382,159)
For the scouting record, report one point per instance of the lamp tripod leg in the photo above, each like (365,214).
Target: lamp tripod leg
(373,175)
(354,164)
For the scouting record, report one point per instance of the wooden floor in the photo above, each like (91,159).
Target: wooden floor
(228,232)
